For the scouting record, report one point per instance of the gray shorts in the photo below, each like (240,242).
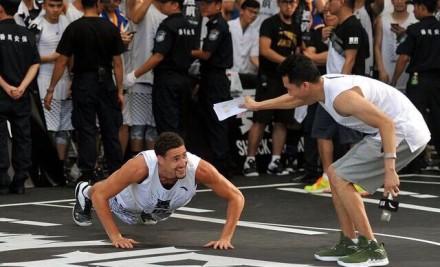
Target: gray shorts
(364,165)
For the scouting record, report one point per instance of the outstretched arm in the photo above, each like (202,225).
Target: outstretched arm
(131,172)
(352,103)
(210,177)
(282,102)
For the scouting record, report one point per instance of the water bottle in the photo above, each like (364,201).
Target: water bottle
(388,205)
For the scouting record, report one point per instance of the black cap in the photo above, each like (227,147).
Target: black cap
(10,6)
(177,1)
(429,4)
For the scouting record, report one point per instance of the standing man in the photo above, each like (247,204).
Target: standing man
(171,58)
(389,32)
(215,57)
(396,132)
(421,50)
(150,187)
(279,38)
(96,45)
(19,63)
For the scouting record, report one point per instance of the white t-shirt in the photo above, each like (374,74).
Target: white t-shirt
(408,121)
(152,198)
(73,13)
(390,44)
(143,41)
(245,45)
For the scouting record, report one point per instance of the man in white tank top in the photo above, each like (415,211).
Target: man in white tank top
(389,33)
(151,186)
(395,134)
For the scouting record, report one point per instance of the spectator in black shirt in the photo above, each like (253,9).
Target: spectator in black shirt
(279,38)
(96,46)
(421,50)
(171,58)
(19,63)
(215,57)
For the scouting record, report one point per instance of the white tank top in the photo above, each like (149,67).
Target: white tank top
(408,121)
(151,198)
(143,41)
(390,44)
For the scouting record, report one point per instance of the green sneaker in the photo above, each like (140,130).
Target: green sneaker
(344,248)
(370,253)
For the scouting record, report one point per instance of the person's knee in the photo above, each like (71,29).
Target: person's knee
(335,180)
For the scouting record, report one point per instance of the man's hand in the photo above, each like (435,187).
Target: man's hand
(121,242)
(219,244)
(127,37)
(121,98)
(129,80)
(48,99)
(249,103)
(391,183)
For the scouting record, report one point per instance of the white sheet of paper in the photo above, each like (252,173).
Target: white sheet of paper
(229,108)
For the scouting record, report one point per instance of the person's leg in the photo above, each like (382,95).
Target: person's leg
(278,138)
(325,148)
(255,135)
(110,121)
(4,155)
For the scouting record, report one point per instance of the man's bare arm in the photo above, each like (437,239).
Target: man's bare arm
(131,172)
(210,177)
(282,102)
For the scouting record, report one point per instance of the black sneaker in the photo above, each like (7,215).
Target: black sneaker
(250,168)
(276,168)
(82,211)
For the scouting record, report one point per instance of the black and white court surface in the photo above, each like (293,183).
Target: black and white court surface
(281,225)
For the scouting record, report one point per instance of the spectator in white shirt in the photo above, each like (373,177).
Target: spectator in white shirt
(245,38)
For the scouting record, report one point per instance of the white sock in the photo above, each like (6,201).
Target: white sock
(86,191)
(250,158)
(275,157)
(355,240)
(324,176)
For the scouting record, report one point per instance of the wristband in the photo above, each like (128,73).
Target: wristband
(390,155)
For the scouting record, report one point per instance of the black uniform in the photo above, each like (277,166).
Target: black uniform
(285,38)
(93,42)
(215,86)
(175,38)
(423,89)
(18,51)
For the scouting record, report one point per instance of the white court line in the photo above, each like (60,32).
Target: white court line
(366,200)
(256,225)
(34,223)
(198,191)
(418,182)
(420,175)
(378,234)
(195,210)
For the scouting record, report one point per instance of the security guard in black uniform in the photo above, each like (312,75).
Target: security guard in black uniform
(19,63)
(215,57)
(421,49)
(171,58)
(96,46)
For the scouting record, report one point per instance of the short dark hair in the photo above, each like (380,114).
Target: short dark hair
(89,3)
(349,3)
(250,4)
(431,5)
(167,141)
(45,1)
(180,2)
(10,6)
(299,69)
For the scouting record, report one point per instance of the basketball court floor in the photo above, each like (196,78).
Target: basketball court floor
(281,225)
